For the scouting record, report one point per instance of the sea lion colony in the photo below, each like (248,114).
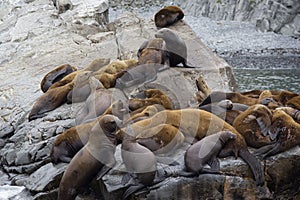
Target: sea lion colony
(147,125)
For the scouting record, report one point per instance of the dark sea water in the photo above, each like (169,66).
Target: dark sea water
(271,79)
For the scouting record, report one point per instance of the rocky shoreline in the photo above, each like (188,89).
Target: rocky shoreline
(35,39)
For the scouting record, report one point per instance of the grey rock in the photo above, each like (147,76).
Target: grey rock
(274,15)
(8,192)
(40,181)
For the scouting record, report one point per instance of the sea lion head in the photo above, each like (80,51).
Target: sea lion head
(110,123)
(227,135)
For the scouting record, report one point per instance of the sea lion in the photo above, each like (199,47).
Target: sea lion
(96,103)
(235,97)
(153,96)
(206,151)
(294,102)
(138,160)
(81,90)
(154,52)
(110,73)
(140,74)
(94,66)
(94,156)
(194,123)
(230,115)
(286,130)
(56,75)
(163,139)
(168,16)
(55,97)
(68,143)
(294,113)
(144,113)
(254,125)
(203,89)
(118,66)
(218,108)
(176,47)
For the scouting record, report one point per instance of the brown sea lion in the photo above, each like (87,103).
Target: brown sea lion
(55,97)
(284,96)
(203,89)
(294,113)
(294,102)
(194,123)
(93,67)
(153,96)
(176,47)
(286,130)
(162,139)
(230,115)
(144,113)
(235,97)
(68,143)
(154,52)
(96,155)
(56,75)
(138,160)
(117,66)
(205,152)
(168,16)
(111,72)
(254,125)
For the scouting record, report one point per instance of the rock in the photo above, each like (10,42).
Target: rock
(40,181)
(269,15)
(8,192)
(88,12)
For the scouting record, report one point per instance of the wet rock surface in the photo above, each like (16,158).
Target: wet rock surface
(36,37)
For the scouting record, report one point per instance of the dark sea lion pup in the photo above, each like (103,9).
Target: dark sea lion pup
(168,16)
(96,155)
(56,75)
(206,151)
(176,47)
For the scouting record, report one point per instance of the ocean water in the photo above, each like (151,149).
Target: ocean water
(268,79)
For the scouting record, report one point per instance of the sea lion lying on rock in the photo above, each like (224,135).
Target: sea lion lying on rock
(56,75)
(168,16)
(55,97)
(152,96)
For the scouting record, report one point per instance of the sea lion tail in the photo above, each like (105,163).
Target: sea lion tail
(255,166)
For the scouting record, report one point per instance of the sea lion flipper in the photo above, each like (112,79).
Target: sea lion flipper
(131,190)
(214,163)
(254,164)
(263,125)
(104,170)
(267,150)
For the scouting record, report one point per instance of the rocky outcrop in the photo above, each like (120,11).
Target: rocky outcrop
(280,16)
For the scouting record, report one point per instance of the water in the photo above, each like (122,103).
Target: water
(268,79)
